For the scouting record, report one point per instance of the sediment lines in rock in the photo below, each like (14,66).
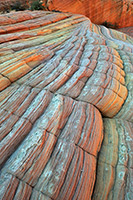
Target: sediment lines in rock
(117,13)
(58,73)
(59,153)
(113,14)
(56,57)
(114,172)
(127,30)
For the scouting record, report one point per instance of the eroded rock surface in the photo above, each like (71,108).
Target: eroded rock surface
(111,13)
(115,167)
(59,74)
(127,30)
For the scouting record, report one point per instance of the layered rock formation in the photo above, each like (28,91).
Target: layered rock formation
(113,14)
(114,172)
(61,79)
(127,30)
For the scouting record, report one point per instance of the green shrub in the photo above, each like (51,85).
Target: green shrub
(109,25)
(37,5)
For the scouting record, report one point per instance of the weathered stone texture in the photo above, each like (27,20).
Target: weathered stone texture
(127,30)
(114,172)
(59,73)
(60,146)
(74,71)
(112,13)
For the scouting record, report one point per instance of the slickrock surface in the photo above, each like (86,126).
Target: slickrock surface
(59,74)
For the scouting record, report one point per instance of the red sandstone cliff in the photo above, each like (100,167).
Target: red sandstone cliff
(113,13)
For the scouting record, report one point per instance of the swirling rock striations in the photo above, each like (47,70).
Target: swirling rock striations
(67,68)
(59,74)
(115,167)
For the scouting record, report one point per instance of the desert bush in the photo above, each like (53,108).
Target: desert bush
(37,5)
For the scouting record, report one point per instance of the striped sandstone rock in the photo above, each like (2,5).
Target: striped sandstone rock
(65,108)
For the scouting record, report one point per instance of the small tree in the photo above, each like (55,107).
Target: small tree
(37,5)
